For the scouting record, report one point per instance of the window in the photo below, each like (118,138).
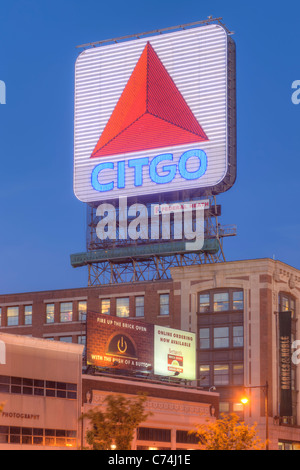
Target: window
(238,374)
(164,304)
(221,301)
(286,303)
(12,316)
(221,374)
(37,436)
(66,311)
(214,301)
(82,340)
(123,307)
(238,408)
(204,303)
(28,314)
(154,434)
(82,309)
(4,384)
(0,316)
(238,300)
(221,337)
(66,339)
(25,386)
(224,407)
(185,437)
(238,336)
(204,376)
(204,338)
(105,307)
(49,313)
(139,306)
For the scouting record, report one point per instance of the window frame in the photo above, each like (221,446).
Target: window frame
(139,307)
(103,312)
(219,339)
(13,320)
(28,316)
(68,313)
(118,307)
(82,312)
(209,303)
(50,316)
(163,305)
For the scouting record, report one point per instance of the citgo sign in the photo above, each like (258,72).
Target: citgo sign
(151,116)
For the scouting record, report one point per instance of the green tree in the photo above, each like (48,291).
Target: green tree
(115,424)
(227,433)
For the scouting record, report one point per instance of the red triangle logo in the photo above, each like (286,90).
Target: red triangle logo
(151,113)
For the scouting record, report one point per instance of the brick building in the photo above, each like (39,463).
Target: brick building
(233,307)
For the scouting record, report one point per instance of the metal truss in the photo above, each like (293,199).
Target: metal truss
(154,268)
(157,266)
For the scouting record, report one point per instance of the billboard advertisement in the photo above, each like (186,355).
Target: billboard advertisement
(135,346)
(152,116)
(285,363)
(119,342)
(174,353)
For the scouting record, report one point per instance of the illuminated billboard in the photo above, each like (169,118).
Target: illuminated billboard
(120,343)
(174,353)
(130,345)
(155,115)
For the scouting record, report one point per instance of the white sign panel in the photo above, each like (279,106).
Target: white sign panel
(2,353)
(174,353)
(151,115)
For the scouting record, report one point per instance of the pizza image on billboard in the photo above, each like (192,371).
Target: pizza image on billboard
(155,115)
(175,363)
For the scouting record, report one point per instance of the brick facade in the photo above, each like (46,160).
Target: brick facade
(246,353)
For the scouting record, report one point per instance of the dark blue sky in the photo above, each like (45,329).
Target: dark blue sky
(42,222)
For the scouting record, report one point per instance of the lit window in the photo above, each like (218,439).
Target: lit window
(238,407)
(224,407)
(221,337)
(12,316)
(82,309)
(28,315)
(286,303)
(139,306)
(204,376)
(66,311)
(238,374)
(164,304)
(105,307)
(49,313)
(123,307)
(221,374)
(221,301)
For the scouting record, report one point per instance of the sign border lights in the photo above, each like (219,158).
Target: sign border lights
(156,115)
